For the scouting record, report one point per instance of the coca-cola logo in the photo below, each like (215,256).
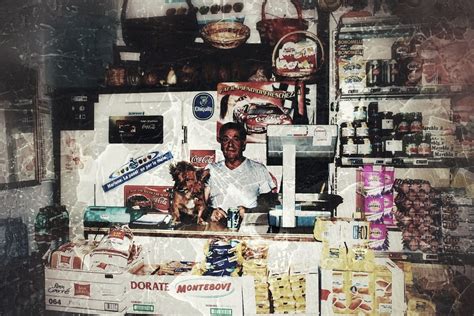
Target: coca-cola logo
(204,159)
(201,158)
(82,289)
(161,200)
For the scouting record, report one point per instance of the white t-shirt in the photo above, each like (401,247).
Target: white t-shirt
(238,187)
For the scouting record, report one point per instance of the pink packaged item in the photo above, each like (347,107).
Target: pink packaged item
(374,208)
(378,237)
(371,180)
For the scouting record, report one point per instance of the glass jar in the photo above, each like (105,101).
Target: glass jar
(362,130)
(348,147)
(424,148)
(377,146)
(410,147)
(360,114)
(393,147)
(386,123)
(347,129)
(416,125)
(402,126)
(364,147)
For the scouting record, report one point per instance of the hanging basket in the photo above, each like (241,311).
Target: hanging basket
(271,30)
(299,59)
(225,35)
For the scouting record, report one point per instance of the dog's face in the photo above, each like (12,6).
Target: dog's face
(185,177)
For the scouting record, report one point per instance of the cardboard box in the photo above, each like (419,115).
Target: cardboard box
(398,305)
(87,291)
(188,295)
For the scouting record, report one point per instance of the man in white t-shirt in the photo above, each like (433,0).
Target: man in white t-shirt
(237,181)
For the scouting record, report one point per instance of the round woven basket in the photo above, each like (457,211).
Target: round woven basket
(225,35)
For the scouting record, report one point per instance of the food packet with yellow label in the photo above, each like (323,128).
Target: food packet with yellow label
(383,291)
(361,259)
(361,293)
(339,291)
(334,257)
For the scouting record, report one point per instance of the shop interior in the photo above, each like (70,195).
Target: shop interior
(355,115)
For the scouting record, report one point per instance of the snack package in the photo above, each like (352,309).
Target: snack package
(361,293)
(340,295)
(378,237)
(116,249)
(334,257)
(374,208)
(370,180)
(361,259)
(383,291)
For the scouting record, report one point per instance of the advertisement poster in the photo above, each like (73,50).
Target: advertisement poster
(151,198)
(258,104)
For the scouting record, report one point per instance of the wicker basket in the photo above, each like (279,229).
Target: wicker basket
(225,35)
(310,64)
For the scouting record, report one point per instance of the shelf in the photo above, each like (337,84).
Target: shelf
(405,92)
(419,257)
(405,162)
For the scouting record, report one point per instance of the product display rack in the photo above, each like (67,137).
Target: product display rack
(361,31)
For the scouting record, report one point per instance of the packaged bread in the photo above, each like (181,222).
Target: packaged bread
(339,290)
(361,293)
(383,291)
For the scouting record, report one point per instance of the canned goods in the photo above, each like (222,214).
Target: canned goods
(233,218)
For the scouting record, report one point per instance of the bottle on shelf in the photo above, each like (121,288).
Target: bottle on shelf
(348,147)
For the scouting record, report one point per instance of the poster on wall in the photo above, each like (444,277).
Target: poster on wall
(150,198)
(136,129)
(258,104)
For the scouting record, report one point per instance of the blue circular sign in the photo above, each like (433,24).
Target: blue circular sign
(203,106)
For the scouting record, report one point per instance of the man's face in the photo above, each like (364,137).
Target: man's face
(232,145)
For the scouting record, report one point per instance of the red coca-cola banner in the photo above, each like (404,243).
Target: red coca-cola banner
(150,197)
(202,157)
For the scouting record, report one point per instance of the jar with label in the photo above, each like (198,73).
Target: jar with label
(413,67)
(386,123)
(393,147)
(400,49)
(402,126)
(377,146)
(362,130)
(424,148)
(373,71)
(364,147)
(374,120)
(375,132)
(416,125)
(360,113)
(410,147)
(373,108)
(348,147)
(347,129)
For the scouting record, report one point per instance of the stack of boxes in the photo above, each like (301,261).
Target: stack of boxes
(255,264)
(375,202)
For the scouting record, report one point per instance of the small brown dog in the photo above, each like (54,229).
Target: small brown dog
(188,203)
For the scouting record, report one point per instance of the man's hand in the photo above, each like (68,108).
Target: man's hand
(218,214)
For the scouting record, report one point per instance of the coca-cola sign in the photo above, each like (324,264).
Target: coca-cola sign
(201,158)
(149,197)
